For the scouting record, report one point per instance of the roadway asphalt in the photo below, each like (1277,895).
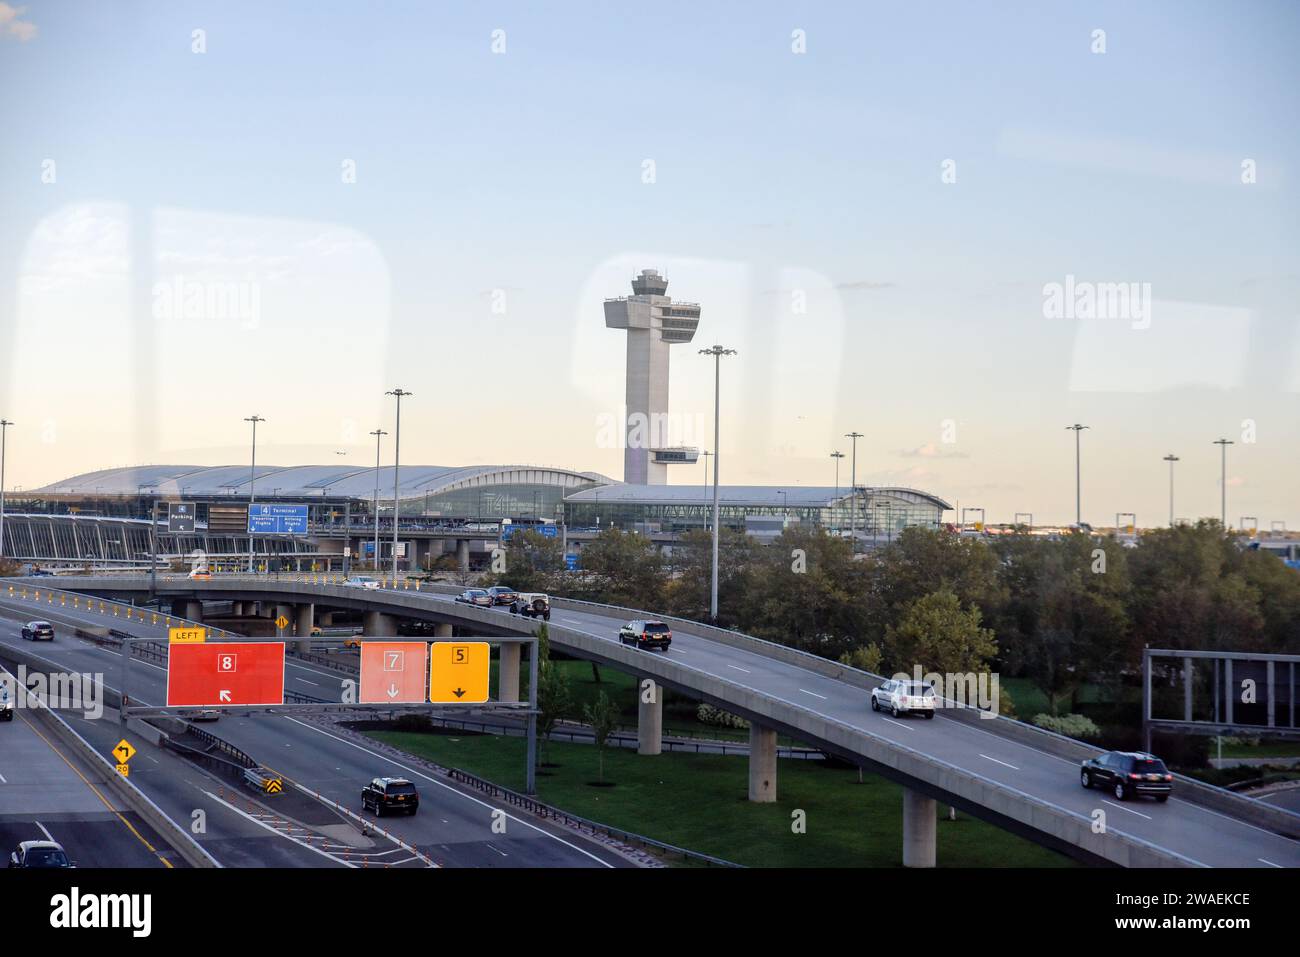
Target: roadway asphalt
(454,827)
(47,793)
(1198,834)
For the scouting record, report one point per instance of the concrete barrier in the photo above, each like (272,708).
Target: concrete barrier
(131,796)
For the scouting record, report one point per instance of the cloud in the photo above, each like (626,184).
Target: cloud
(12,26)
(931,451)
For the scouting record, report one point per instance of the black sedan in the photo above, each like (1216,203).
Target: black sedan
(502,595)
(1128,774)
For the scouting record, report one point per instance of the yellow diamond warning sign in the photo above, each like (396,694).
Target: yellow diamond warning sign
(123,751)
(282,622)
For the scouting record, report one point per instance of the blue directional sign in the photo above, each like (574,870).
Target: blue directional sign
(546,531)
(271,519)
(571,562)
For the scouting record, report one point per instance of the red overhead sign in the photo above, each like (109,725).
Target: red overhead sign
(216,674)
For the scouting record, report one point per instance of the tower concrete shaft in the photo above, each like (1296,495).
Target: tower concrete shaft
(653,323)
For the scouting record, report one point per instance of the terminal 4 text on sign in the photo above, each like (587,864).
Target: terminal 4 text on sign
(226,673)
(392,672)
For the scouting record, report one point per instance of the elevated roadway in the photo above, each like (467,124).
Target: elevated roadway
(1003,771)
(455,826)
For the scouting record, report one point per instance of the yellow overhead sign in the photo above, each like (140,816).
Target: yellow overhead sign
(458,672)
(187,636)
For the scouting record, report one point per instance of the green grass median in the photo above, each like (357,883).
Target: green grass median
(698,801)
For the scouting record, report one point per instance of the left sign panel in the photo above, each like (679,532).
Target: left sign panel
(226,673)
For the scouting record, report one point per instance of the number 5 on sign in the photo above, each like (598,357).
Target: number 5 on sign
(458,672)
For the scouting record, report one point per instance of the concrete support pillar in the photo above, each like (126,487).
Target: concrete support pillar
(762,764)
(920,829)
(193,610)
(462,556)
(236,608)
(378,625)
(508,675)
(305,616)
(287,612)
(649,717)
(442,631)
(326,619)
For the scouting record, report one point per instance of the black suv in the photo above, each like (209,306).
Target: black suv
(38,631)
(646,634)
(390,794)
(1128,774)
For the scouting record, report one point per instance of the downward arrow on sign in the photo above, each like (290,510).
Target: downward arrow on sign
(459,692)
(392,691)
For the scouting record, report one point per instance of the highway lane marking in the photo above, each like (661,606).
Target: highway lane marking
(95,791)
(288,837)
(468,797)
(44,830)
(1129,809)
(306,682)
(813,693)
(502,853)
(996,761)
(900,724)
(1269,863)
(738,668)
(2,779)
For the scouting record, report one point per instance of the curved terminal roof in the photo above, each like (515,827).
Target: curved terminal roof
(743,496)
(307,481)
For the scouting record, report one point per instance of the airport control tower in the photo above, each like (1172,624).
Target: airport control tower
(653,323)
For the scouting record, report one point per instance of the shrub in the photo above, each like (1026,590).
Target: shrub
(707,714)
(1070,725)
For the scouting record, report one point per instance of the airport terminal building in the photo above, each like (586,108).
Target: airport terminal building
(104,517)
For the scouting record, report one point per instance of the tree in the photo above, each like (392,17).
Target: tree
(936,633)
(554,694)
(534,562)
(808,591)
(623,568)
(689,592)
(602,715)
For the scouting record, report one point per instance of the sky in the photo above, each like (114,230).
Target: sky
(956,228)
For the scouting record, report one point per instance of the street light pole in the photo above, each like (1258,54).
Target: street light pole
(836,455)
(1171,459)
(717,352)
(252,477)
(397,453)
(1223,481)
(378,434)
(853,483)
(1078,494)
(4,430)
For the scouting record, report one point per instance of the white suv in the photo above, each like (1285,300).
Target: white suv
(900,697)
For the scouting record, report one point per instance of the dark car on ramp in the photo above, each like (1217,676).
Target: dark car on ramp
(38,631)
(1128,774)
(390,794)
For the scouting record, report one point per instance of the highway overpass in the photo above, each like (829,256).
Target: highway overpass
(1014,775)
